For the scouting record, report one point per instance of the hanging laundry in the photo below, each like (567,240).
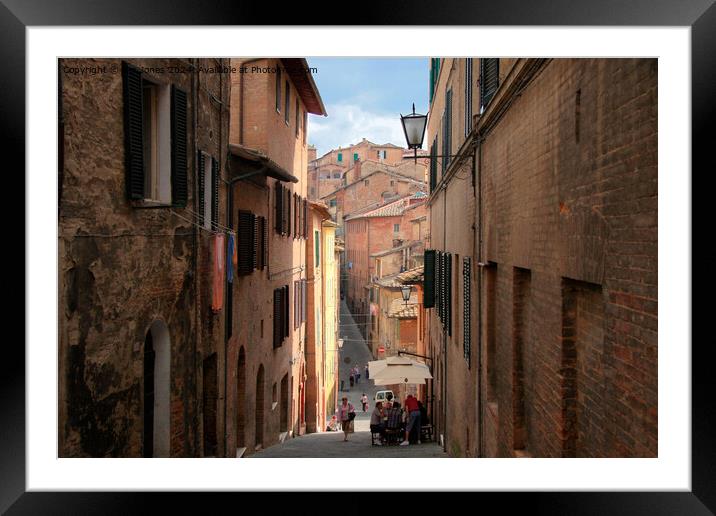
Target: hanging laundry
(235,255)
(230,259)
(217,280)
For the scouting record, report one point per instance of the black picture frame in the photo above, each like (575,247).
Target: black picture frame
(700,15)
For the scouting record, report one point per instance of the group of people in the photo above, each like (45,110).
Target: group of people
(391,416)
(354,377)
(388,415)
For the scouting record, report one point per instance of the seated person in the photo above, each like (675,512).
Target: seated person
(376,420)
(395,417)
(423,414)
(332,425)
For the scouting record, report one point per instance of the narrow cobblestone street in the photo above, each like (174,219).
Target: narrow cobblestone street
(331,444)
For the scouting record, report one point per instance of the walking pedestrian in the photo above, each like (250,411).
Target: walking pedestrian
(351,381)
(364,401)
(366,372)
(346,413)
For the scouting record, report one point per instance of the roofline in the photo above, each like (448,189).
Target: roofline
(302,74)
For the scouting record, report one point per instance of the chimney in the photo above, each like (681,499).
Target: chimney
(356,170)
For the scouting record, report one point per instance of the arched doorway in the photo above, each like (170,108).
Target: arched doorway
(157,365)
(241,400)
(259,439)
(284,403)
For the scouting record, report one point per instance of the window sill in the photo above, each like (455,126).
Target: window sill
(149,203)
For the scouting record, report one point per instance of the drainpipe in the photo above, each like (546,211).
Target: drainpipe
(197,328)
(445,350)
(478,175)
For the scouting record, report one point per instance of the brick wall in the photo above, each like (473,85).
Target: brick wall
(570,198)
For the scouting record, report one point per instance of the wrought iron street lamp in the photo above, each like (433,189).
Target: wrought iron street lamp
(414,129)
(405,290)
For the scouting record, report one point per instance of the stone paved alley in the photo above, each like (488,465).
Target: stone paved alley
(330,444)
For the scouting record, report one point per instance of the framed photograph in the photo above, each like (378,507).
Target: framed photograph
(455,245)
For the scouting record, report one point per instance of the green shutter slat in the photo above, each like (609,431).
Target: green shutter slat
(264,248)
(429,279)
(489,79)
(179,146)
(133,129)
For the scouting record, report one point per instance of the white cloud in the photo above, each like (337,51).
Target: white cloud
(347,124)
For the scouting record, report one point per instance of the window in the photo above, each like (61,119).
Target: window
(355,156)
(155,139)
(340,156)
(278,90)
(434,75)
(392,183)
(489,80)
(332,203)
(365,183)
(280,315)
(317,245)
(305,126)
(336,175)
(246,236)
(298,119)
(396,228)
(447,130)
(287,105)
(208,191)
(434,164)
(468,96)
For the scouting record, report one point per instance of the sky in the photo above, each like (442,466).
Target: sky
(364,98)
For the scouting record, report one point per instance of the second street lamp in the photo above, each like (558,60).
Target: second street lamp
(414,130)
(405,290)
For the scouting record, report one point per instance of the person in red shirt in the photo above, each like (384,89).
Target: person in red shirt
(413,410)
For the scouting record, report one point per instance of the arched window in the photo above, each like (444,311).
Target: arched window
(157,367)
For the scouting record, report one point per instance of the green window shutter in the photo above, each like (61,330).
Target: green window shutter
(178,144)
(489,80)
(433,164)
(278,189)
(429,279)
(317,244)
(340,157)
(448,127)
(355,156)
(133,131)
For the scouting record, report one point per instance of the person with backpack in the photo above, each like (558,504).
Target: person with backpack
(364,401)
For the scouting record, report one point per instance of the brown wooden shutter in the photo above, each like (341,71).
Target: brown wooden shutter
(305,219)
(202,175)
(246,242)
(466,308)
(178,131)
(265,244)
(278,189)
(288,212)
(286,313)
(277,312)
(133,131)
(214,193)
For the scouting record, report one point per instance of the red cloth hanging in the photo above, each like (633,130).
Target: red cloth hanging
(217,273)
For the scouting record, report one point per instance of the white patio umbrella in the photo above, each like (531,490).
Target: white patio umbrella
(405,370)
(375,366)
